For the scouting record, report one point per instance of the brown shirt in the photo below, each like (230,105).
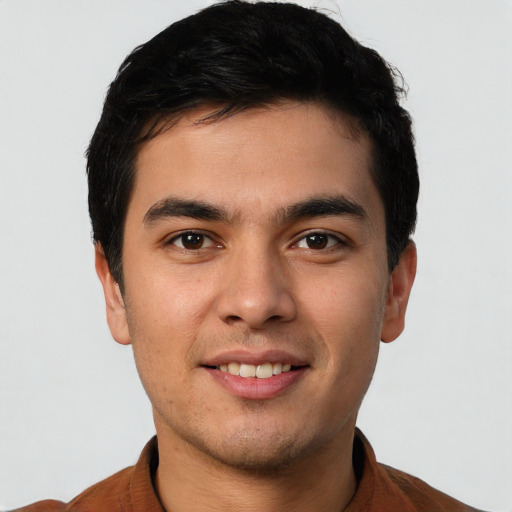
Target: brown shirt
(380,489)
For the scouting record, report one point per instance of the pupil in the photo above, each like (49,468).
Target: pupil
(317,241)
(192,241)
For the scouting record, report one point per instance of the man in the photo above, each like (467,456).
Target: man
(252,190)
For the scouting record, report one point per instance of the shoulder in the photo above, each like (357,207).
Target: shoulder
(43,506)
(418,494)
(105,496)
(127,490)
(385,489)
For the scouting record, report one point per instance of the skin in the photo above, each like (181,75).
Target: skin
(257,282)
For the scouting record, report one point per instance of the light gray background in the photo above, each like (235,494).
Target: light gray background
(72,409)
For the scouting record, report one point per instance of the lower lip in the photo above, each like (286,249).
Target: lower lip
(252,388)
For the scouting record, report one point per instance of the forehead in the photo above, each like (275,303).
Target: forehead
(257,161)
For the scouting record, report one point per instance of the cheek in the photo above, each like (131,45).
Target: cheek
(347,303)
(169,300)
(165,314)
(347,315)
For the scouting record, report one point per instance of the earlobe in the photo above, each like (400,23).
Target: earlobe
(114,302)
(400,285)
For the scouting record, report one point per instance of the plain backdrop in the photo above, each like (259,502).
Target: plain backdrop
(72,408)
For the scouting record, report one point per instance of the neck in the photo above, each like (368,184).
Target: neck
(187,479)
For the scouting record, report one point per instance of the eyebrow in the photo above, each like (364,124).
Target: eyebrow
(320,206)
(175,207)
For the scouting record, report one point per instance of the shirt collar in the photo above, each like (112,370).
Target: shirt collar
(142,494)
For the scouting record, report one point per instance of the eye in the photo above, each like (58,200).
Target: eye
(318,241)
(192,241)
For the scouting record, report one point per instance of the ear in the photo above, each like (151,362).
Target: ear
(400,284)
(114,302)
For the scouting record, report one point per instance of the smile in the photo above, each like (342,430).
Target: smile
(260,371)
(256,375)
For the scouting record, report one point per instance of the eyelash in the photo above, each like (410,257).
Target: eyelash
(331,241)
(205,237)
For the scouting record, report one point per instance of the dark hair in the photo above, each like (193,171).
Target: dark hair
(242,55)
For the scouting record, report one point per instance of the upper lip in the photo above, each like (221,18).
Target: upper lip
(255,357)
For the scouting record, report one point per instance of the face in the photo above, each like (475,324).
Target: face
(256,245)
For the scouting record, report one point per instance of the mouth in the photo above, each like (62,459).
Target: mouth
(256,376)
(258,371)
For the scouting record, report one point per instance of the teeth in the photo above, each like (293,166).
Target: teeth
(234,368)
(247,370)
(261,371)
(264,371)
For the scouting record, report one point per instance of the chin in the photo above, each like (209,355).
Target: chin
(258,440)
(257,449)
(260,454)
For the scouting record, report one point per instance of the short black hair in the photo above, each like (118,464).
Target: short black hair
(242,55)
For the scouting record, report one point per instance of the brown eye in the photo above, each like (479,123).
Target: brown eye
(192,241)
(317,241)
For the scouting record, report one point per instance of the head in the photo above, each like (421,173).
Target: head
(238,56)
(252,190)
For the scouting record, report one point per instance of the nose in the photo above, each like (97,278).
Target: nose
(256,291)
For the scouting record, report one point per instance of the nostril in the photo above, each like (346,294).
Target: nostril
(255,308)
(234,319)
